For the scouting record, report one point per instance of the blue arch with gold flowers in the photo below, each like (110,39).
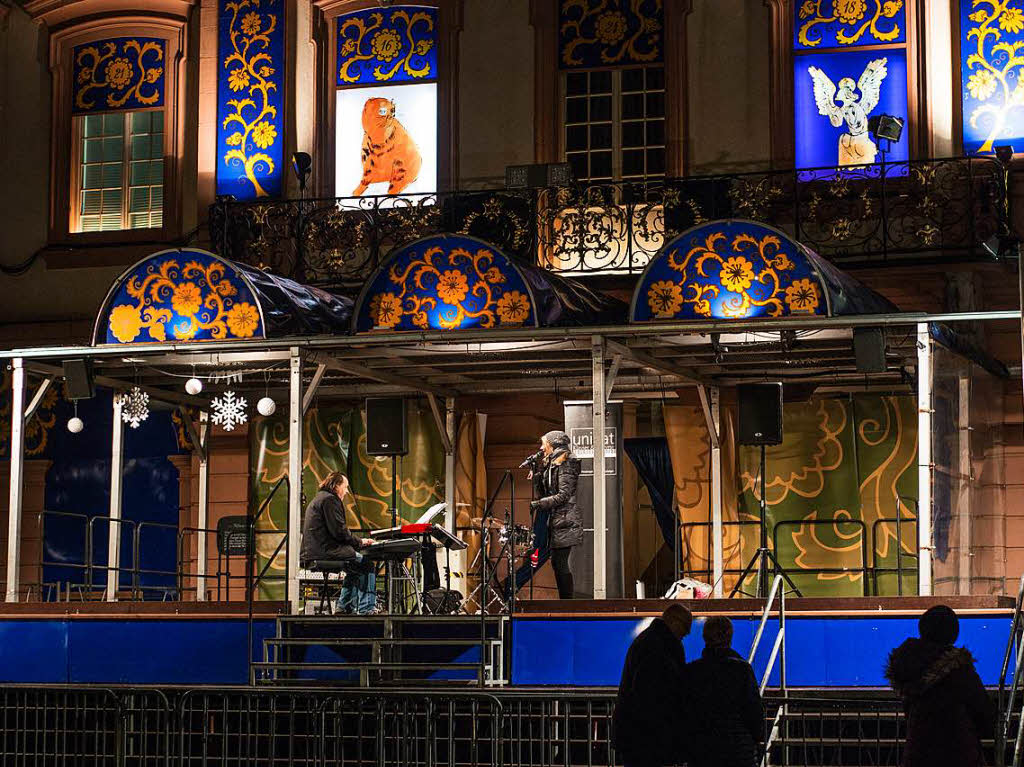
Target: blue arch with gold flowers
(192,295)
(740,269)
(458,282)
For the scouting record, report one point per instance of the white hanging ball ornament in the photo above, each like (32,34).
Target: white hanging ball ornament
(75,424)
(193,386)
(266,406)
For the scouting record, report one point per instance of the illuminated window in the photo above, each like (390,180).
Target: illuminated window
(990,76)
(386,112)
(613,89)
(120,175)
(849,64)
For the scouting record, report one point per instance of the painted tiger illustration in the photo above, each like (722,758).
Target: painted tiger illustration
(389,153)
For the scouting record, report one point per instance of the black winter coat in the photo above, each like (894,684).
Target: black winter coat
(648,720)
(948,709)
(558,484)
(325,533)
(725,720)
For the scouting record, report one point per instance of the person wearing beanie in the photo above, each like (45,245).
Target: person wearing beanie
(555,478)
(948,710)
(647,723)
(725,715)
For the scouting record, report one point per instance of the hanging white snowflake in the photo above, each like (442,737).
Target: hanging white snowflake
(134,407)
(229,411)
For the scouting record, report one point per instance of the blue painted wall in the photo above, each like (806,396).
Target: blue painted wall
(821,652)
(139,651)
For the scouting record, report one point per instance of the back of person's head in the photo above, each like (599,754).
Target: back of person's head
(939,625)
(332,481)
(678,619)
(718,632)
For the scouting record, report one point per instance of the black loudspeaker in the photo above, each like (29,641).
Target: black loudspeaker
(869,349)
(78,379)
(385,426)
(760,421)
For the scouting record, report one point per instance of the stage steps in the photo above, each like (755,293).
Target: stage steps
(345,650)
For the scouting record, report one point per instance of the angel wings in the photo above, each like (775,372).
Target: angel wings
(855,146)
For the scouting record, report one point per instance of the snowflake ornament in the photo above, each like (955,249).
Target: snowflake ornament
(229,411)
(134,407)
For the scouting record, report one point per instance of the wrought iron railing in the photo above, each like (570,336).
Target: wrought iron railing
(927,210)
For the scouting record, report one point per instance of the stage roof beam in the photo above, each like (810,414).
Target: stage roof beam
(364,371)
(37,398)
(442,428)
(170,397)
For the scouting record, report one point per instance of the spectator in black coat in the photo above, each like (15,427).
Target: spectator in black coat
(948,709)
(648,719)
(725,716)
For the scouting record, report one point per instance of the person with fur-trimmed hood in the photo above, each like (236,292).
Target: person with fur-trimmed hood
(556,478)
(948,709)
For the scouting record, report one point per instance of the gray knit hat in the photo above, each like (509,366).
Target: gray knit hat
(557,439)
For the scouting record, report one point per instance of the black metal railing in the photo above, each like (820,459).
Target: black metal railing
(145,727)
(927,210)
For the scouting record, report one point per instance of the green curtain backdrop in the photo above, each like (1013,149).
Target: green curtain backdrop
(335,439)
(832,488)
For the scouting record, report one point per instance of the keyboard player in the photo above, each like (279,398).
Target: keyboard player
(325,535)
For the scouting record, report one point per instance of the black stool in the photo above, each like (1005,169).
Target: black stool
(326,567)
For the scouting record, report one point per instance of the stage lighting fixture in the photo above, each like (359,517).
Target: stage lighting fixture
(302,164)
(885,127)
(1004,154)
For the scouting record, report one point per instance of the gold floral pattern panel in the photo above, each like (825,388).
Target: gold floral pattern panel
(186,295)
(250,101)
(601,33)
(992,73)
(848,23)
(387,45)
(729,270)
(120,73)
(448,283)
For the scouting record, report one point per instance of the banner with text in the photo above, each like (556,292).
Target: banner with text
(579,425)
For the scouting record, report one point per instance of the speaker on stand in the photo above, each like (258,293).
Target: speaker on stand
(386,435)
(760,424)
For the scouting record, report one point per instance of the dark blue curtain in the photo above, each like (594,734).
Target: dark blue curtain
(653,463)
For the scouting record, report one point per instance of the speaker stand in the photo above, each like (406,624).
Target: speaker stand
(389,568)
(763,561)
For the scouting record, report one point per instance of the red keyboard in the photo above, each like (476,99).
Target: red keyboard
(418,530)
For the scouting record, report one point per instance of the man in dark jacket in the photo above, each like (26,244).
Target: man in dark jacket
(647,724)
(948,710)
(556,483)
(325,535)
(725,716)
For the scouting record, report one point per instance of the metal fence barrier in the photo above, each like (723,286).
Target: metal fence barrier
(231,727)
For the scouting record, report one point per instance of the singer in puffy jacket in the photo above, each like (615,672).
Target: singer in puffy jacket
(556,476)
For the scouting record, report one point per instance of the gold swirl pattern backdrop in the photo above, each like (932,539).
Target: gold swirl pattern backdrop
(335,440)
(848,23)
(387,45)
(601,33)
(121,73)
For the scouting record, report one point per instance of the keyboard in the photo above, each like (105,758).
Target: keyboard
(394,550)
(416,531)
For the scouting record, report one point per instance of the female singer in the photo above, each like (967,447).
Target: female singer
(555,479)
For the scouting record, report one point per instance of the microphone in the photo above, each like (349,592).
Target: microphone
(529,461)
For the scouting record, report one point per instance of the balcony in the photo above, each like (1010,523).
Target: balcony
(927,211)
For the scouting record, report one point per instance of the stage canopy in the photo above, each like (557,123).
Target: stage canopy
(455,282)
(738,269)
(192,295)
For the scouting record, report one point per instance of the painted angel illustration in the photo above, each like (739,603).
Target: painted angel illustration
(855,146)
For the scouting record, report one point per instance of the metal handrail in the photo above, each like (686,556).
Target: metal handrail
(1006,711)
(779,647)
(834,523)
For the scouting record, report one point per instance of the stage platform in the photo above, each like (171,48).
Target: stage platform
(832,643)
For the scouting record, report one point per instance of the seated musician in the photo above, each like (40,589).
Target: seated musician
(325,535)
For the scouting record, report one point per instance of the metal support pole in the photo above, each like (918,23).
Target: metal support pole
(204,503)
(17,478)
(294,475)
(600,502)
(449,466)
(114,518)
(717,555)
(963,506)
(924,460)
